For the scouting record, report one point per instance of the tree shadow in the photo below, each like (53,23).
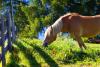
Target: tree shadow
(75,56)
(14,58)
(28,55)
(46,57)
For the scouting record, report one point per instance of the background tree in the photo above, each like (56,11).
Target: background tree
(30,18)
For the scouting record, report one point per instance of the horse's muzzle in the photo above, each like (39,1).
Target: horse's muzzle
(45,44)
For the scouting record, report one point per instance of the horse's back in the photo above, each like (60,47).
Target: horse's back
(90,25)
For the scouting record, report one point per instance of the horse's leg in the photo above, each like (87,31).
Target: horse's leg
(80,42)
(84,45)
(76,31)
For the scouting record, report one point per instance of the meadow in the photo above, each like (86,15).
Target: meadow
(64,52)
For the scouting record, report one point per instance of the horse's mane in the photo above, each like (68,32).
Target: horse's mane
(57,26)
(58,23)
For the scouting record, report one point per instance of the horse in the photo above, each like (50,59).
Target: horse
(77,25)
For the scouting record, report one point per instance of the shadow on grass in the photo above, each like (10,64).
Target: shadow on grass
(28,55)
(75,56)
(46,57)
(14,59)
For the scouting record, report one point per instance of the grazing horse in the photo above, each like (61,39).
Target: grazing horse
(77,25)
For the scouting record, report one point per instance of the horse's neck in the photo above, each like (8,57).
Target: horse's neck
(57,26)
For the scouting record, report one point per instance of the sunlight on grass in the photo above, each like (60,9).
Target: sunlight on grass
(38,57)
(24,61)
(0,64)
(63,52)
(8,54)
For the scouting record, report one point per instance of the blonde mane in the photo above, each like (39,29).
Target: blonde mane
(57,26)
(47,31)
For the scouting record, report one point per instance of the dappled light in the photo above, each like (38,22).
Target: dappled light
(28,55)
(31,54)
(49,33)
(46,57)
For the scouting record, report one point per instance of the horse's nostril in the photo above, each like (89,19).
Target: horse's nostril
(45,44)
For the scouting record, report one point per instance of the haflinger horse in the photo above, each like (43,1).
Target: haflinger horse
(77,25)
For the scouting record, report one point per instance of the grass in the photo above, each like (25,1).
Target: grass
(61,53)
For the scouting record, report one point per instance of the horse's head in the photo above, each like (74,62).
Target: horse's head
(49,36)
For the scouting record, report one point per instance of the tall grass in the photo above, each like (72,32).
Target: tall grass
(64,51)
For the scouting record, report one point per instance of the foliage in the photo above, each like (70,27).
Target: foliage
(21,21)
(0,4)
(40,13)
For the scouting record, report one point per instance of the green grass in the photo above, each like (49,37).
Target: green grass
(61,53)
